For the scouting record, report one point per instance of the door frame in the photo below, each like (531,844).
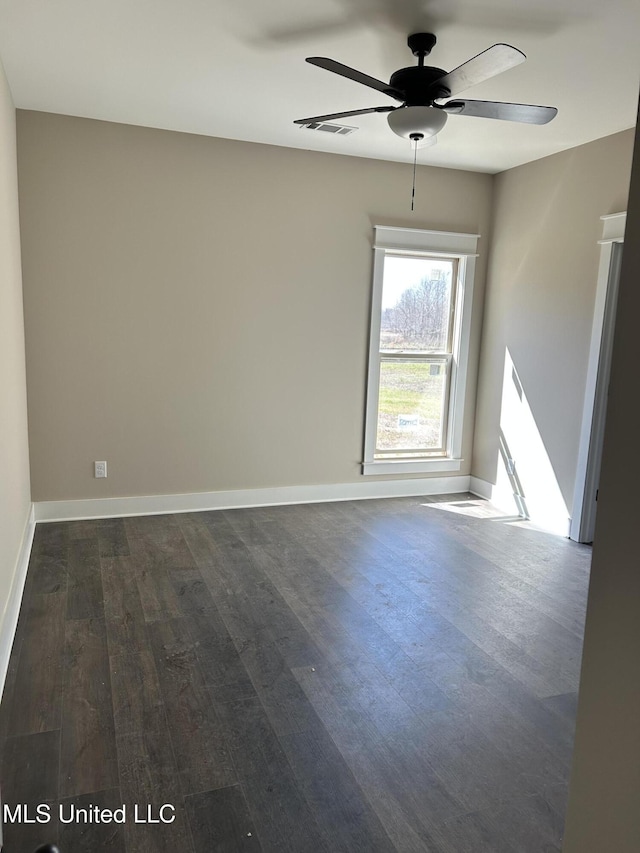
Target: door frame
(595,399)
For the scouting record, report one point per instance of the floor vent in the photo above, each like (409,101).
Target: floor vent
(338,129)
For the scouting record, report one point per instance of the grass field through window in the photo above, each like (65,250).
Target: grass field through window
(410,405)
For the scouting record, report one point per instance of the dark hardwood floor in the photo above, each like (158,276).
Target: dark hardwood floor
(389,675)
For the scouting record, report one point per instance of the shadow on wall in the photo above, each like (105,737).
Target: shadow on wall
(525,481)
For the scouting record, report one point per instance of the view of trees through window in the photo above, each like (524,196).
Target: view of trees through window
(415,344)
(416,304)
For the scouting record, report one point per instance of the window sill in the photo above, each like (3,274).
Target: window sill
(411,466)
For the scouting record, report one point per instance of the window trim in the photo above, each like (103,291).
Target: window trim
(419,242)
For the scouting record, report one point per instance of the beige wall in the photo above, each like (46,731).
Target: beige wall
(604,813)
(542,276)
(197,309)
(15,501)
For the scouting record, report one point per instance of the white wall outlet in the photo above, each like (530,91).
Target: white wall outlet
(100,469)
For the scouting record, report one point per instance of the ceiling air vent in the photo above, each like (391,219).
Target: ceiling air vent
(337,129)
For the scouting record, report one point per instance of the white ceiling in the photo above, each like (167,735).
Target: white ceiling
(236,69)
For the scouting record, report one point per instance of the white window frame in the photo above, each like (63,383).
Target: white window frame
(416,242)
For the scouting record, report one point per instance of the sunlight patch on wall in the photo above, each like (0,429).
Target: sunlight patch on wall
(526,481)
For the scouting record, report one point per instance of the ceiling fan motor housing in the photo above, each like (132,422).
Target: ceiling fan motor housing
(417,83)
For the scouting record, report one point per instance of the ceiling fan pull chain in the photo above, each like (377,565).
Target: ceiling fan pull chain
(415,138)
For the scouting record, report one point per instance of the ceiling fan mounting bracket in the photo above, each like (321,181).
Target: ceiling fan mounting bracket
(421,44)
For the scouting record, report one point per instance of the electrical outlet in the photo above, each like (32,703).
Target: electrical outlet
(100,469)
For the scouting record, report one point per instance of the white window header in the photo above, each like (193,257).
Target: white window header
(426,242)
(613,228)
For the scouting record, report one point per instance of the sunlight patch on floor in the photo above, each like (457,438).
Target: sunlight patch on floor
(474,508)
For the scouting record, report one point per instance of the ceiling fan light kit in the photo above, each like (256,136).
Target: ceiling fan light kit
(417,121)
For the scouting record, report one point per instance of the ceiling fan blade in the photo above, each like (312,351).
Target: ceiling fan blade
(352,74)
(527,113)
(344,115)
(494,60)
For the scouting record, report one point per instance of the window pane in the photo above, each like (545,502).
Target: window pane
(416,304)
(411,405)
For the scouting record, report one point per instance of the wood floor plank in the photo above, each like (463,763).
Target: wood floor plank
(83,837)
(51,533)
(282,817)
(416,628)
(512,735)
(202,755)
(196,603)
(521,825)
(266,633)
(307,583)
(473,832)
(530,824)
(541,559)
(557,733)
(476,773)
(82,529)
(220,822)
(112,537)
(37,696)
(339,647)
(407,799)
(84,591)
(157,595)
(88,754)
(202,547)
(30,769)
(159,539)
(346,818)
(220,662)
(556,797)
(437,585)
(566,705)
(136,694)
(149,775)
(49,561)
(157,546)
(270,676)
(21,836)
(474,586)
(124,614)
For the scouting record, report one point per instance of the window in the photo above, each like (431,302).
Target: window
(420,325)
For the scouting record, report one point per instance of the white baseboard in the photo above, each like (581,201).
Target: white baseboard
(203,501)
(481,488)
(502,499)
(14,599)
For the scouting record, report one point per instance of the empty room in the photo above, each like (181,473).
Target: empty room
(318,426)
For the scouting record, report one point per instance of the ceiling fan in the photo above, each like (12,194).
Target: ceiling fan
(419,89)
